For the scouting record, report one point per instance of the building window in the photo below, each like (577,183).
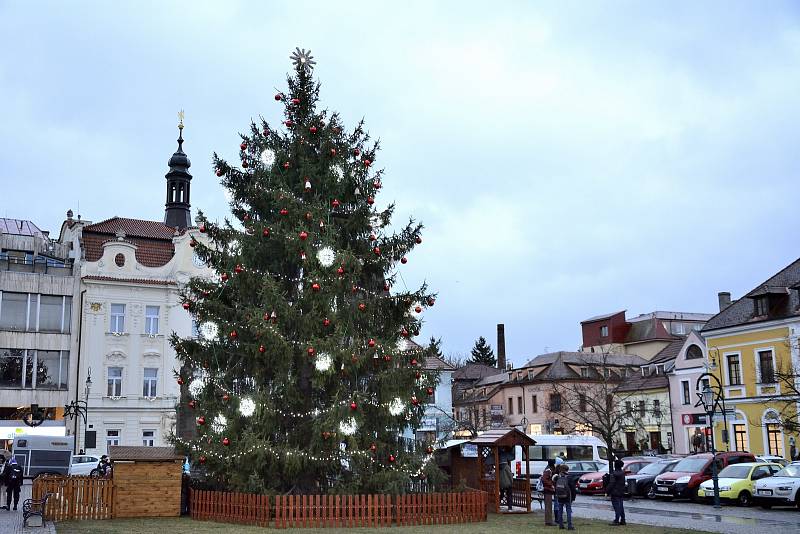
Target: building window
(55,313)
(581,402)
(761,305)
(114,381)
(535,405)
(685,392)
(151,320)
(584,372)
(555,402)
(734,370)
(642,410)
(604,331)
(511,406)
(656,407)
(740,437)
(14,311)
(11,365)
(148,438)
(694,352)
(519,404)
(628,408)
(678,329)
(112,438)
(150,382)
(774,441)
(765,366)
(52,369)
(117,318)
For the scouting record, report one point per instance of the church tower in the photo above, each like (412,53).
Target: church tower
(177,213)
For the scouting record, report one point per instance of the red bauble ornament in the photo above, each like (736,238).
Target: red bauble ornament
(417,375)
(224,277)
(387,357)
(226,441)
(377,184)
(186,305)
(353,405)
(265,232)
(284,212)
(246,218)
(370,201)
(403,260)
(315,287)
(418,309)
(192,243)
(245,165)
(404,332)
(340,271)
(429,391)
(261,348)
(367,163)
(362,307)
(356,152)
(429,450)
(219,172)
(418,240)
(295,101)
(202,459)
(289,123)
(386,287)
(238,269)
(192,404)
(415,401)
(377,251)
(265,131)
(303,235)
(234,334)
(431,302)
(373,447)
(313,129)
(205,293)
(311,351)
(202,228)
(278,97)
(413,361)
(335,203)
(372,237)
(355,289)
(180,380)
(286,165)
(243,146)
(391,458)
(201,420)
(333,152)
(326,322)
(371,343)
(226,397)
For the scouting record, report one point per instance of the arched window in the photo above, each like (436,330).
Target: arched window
(694,352)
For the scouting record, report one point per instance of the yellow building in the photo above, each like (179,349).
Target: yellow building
(753,351)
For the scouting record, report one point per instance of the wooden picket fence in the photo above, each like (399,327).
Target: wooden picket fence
(288,511)
(76,497)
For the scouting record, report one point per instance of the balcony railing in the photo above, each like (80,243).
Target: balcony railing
(39,265)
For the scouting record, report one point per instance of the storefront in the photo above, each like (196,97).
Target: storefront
(10,429)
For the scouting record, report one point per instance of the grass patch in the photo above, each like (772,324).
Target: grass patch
(497,524)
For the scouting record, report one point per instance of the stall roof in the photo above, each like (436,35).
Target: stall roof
(503,437)
(143,454)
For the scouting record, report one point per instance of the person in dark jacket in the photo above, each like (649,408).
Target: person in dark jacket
(12,476)
(506,482)
(565,493)
(616,490)
(548,490)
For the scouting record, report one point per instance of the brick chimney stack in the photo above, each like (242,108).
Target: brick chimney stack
(501,347)
(724,299)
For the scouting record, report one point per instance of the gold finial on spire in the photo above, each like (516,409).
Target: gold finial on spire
(180,120)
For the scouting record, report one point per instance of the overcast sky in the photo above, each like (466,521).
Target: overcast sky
(567,158)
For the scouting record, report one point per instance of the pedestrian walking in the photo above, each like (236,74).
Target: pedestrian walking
(548,490)
(2,477)
(12,476)
(506,482)
(556,509)
(616,490)
(565,493)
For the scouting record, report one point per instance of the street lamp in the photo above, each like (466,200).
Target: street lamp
(658,416)
(78,408)
(710,399)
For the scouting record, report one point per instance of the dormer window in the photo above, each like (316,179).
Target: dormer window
(645,371)
(660,369)
(761,305)
(584,372)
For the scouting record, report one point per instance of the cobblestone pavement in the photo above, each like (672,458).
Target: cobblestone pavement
(728,519)
(11,521)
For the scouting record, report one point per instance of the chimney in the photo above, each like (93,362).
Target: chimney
(724,299)
(501,347)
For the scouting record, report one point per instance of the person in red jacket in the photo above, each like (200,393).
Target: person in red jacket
(548,490)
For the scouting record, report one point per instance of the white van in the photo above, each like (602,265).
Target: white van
(568,447)
(43,454)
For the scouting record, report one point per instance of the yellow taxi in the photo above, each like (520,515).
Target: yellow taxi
(736,482)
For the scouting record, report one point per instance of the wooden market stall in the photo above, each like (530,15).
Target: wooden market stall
(495,446)
(147,481)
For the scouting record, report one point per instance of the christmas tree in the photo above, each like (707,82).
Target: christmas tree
(299,381)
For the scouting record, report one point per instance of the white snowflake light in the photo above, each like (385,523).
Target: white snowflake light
(326,256)
(338,172)
(209,331)
(196,387)
(247,407)
(219,423)
(348,427)
(396,407)
(324,362)
(267,157)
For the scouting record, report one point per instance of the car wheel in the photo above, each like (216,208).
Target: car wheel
(94,473)
(650,492)
(797,499)
(745,499)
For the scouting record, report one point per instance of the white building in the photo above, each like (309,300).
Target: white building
(131,271)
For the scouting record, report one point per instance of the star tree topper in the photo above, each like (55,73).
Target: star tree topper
(302,59)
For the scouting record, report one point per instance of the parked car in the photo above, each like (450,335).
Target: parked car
(592,483)
(641,484)
(578,469)
(766,458)
(82,464)
(779,489)
(687,475)
(736,482)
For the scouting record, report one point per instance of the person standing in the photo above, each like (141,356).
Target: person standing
(548,490)
(565,493)
(506,482)
(616,490)
(12,476)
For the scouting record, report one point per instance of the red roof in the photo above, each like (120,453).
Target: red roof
(131,280)
(153,239)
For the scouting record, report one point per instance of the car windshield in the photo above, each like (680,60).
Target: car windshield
(654,469)
(789,471)
(691,465)
(735,471)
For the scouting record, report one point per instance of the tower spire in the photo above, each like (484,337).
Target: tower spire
(178,208)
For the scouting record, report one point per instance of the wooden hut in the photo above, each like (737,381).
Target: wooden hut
(489,445)
(147,481)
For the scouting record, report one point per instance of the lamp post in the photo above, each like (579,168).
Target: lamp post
(658,416)
(78,408)
(710,400)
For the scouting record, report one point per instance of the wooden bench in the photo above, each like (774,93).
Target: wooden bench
(31,507)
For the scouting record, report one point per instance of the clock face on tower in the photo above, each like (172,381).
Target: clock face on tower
(198,261)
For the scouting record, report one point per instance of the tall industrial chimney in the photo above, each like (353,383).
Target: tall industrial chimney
(501,347)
